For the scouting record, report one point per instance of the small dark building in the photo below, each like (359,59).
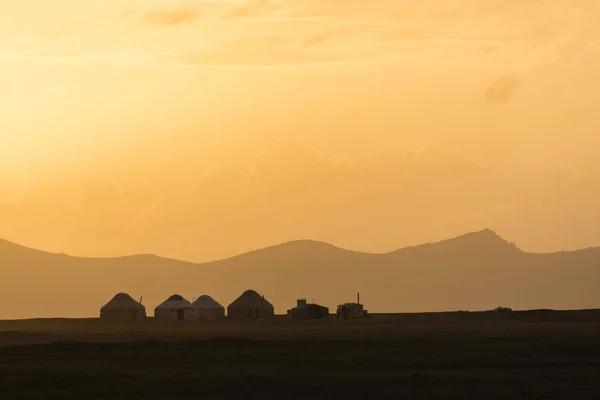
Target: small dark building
(308,311)
(250,305)
(351,310)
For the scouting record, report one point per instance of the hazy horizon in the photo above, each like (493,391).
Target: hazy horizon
(201,129)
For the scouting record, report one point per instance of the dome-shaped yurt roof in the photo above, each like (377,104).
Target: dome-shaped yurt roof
(174,301)
(251,299)
(122,301)
(205,301)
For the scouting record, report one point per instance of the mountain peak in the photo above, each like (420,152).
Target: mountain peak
(487,235)
(485,241)
(303,249)
(306,244)
(301,246)
(484,234)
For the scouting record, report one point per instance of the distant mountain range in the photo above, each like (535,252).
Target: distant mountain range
(474,271)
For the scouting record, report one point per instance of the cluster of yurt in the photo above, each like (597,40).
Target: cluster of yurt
(176,308)
(250,305)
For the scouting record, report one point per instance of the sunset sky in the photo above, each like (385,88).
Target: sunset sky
(201,129)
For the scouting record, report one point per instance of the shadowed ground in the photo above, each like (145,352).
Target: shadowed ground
(450,355)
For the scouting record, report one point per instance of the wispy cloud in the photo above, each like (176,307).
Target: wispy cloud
(252,52)
(323,36)
(270,67)
(165,18)
(256,52)
(249,9)
(66,58)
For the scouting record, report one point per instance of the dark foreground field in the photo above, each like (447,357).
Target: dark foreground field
(550,355)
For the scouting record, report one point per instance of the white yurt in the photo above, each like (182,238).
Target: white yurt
(206,308)
(173,309)
(123,308)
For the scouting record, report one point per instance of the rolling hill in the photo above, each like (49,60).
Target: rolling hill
(474,271)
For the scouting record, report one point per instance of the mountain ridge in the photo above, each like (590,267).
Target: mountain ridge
(486,237)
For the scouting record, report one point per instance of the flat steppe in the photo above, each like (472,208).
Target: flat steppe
(458,355)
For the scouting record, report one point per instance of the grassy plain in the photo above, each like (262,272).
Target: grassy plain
(529,355)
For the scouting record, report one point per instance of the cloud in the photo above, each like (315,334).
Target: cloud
(373,9)
(250,9)
(502,89)
(256,52)
(166,18)
(322,37)
(253,52)
(73,58)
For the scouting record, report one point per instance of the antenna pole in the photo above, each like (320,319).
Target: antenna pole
(141,299)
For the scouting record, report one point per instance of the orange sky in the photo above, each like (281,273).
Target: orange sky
(134,104)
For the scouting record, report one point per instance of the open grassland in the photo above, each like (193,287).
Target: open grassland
(538,354)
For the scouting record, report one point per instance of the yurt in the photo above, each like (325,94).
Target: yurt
(173,309)
(205,308)
(123,308)
(250,305)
